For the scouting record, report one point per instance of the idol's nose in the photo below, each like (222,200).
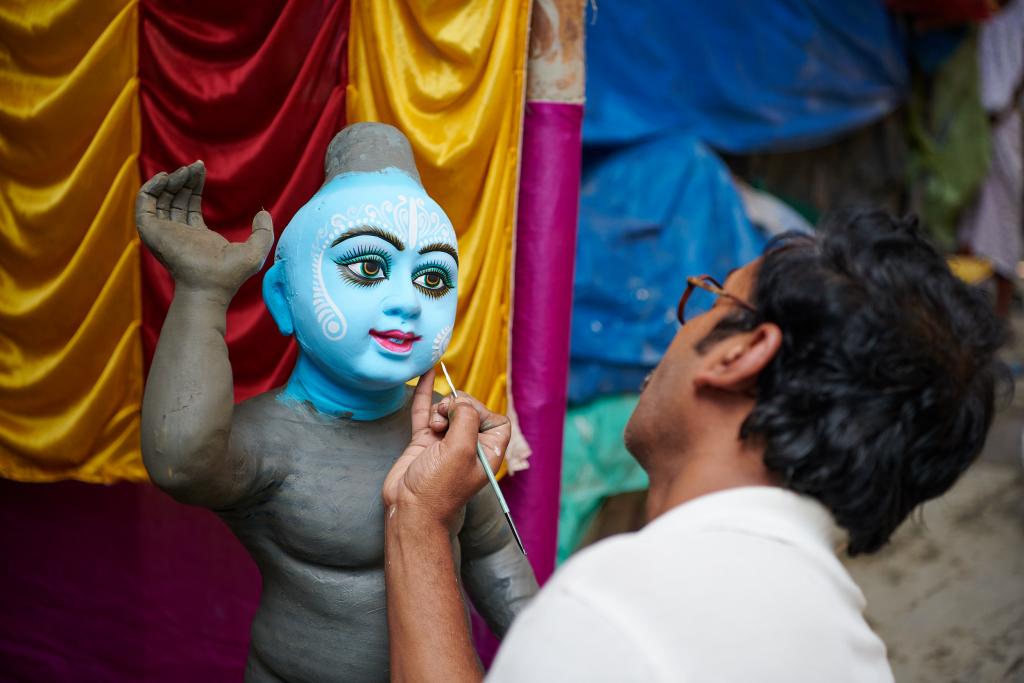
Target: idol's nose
(404,304)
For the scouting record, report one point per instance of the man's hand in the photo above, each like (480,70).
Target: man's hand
(169,218)
(423,493)
(439,471)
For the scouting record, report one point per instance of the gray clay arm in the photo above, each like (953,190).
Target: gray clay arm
(497,577)
(188,404)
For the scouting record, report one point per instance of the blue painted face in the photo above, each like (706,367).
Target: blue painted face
(365,277)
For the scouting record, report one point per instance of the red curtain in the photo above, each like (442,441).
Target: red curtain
(120,583)
(939,13)
(256,90)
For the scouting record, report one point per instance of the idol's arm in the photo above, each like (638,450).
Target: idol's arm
(497,576)
(188,403)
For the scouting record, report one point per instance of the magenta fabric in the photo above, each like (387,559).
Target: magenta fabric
(119,583)
(549,187)
(545,251)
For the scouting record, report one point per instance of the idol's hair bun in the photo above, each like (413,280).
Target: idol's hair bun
(368,147)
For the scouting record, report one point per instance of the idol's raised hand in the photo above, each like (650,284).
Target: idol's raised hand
(169,218)
(439,471)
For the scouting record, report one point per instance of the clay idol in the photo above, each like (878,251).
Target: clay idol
(365,277)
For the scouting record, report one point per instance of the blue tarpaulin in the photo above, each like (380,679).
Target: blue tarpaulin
(741,76)
(650,215)
(667,81)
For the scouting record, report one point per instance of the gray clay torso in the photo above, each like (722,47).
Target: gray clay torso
(314,523)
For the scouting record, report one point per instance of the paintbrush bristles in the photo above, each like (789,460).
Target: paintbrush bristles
(448,378)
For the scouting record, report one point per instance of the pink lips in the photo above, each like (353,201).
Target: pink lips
(395,341)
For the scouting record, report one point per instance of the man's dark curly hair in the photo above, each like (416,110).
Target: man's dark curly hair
(883,388)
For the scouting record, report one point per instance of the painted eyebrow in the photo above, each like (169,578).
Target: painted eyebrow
(441,246)
(373,232)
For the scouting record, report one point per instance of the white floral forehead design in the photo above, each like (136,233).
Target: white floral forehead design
(407,216)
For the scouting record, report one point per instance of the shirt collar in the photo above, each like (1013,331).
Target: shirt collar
(769,511)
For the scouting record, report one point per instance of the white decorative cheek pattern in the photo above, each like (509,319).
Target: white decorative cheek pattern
(408,218)
(441,341)
(331,320)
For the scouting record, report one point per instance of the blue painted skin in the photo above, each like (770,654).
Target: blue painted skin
(332,287)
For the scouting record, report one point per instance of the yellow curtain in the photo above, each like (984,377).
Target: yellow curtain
(450,75)
(70,355)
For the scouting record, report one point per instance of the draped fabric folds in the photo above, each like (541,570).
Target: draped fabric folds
(548,207)
(257,91)
(99,96)
(94,93)
(773,76)
(451,77)
(70,359)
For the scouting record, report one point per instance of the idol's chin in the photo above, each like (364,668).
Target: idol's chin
(403,373)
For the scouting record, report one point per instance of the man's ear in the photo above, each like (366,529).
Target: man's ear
(734,363)
(275,296)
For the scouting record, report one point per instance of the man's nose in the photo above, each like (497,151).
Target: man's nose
(403,303)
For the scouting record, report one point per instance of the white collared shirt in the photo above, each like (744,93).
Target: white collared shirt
(742,585)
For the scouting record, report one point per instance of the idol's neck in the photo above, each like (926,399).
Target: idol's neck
(308,384)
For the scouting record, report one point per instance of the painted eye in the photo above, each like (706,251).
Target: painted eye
(433,280)
(430,281)
(368,270)
(364,267)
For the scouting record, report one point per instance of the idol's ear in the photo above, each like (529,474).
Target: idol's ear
(275,296)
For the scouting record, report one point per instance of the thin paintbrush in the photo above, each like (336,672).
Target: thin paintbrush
(487,469)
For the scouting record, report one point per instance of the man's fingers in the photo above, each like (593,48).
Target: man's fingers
(495,443)
(439,416)
(463,427)
(494,454)
(488,420)
(438,422)
(195,202)
(421,400)
(145,201)
(495,429)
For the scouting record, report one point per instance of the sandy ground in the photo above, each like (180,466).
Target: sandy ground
(947,595)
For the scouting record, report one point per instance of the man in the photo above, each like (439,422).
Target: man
(839,381)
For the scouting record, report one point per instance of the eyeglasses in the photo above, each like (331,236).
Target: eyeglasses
(707,284)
